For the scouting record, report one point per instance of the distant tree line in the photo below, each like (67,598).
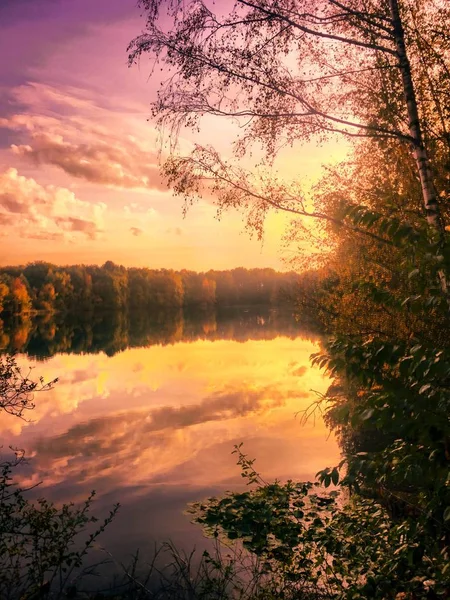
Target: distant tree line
(44,287)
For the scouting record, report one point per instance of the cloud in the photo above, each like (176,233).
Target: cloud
(6,219)
(42,235)
(139,209)
(175,230)
(226,404)
(106,161)
(62,128)
(46,212)
(299,371)
(136,231)
(138,217)
(75,224)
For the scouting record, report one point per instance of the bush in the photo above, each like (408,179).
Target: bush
(41,545)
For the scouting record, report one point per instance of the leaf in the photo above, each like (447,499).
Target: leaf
(335,476)
(424,388)
(367,414)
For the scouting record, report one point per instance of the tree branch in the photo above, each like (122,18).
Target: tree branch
(316,33)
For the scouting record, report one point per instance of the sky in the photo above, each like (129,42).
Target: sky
(79,175)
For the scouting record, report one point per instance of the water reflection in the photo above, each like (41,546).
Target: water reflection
(111,332)
(153,427)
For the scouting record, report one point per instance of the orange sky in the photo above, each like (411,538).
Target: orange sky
(79,179)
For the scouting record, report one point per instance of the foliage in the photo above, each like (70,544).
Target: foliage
(294,71)
(49,288)
(396,401)
(389,287)
(390,403)
(16,390)
(40,547)
(222,572)
(18,298)
(314,544)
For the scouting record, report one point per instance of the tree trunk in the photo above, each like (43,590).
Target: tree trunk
(429,193)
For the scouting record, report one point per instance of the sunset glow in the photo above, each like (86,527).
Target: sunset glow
(79,176)
(177,404)
(155,428)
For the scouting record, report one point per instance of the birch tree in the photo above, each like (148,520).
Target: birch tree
(296,69)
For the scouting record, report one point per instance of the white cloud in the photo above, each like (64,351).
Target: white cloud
(86,141)
(138,209)
(46,212)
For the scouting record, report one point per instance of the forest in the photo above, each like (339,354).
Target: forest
(46,288)
(377,74)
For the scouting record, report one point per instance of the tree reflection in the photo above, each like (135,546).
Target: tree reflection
(114,331)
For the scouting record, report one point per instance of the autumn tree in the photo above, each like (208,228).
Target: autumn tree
(294,70)
(4,291)
(63,288)
(199,289)
(363,284)
(19,299)
(46,297)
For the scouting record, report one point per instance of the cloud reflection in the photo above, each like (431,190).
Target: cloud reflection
(170,415)
(112,442)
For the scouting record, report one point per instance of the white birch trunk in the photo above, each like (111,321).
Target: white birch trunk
(429,193)
(430,198)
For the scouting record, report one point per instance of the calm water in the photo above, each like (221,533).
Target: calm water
(147,413)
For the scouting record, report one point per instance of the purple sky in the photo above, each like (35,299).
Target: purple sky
(79,178)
